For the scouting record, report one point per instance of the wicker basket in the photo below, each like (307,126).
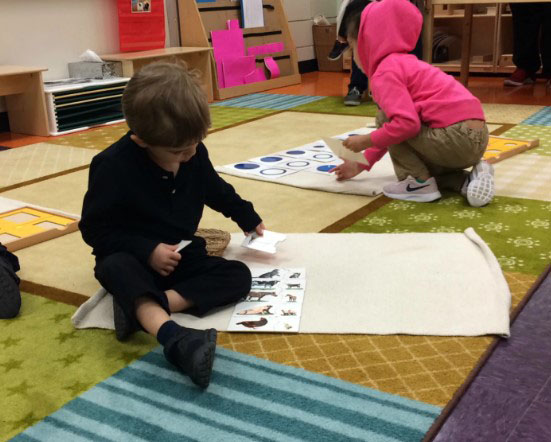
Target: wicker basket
(217,240)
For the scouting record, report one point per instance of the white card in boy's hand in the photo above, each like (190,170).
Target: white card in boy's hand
(265,243)
(342,152)
(182,244)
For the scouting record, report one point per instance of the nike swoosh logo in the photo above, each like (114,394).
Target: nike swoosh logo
(413,189)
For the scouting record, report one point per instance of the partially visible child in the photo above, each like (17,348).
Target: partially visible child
(432,126)
(10,297)
(146,193)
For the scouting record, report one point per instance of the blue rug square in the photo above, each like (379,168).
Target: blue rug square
(268,101)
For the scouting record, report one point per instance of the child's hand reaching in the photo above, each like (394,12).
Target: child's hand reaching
(347,170)
(357,143)
(164,258)
(259,230)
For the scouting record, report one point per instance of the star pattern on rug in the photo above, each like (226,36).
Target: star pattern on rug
(11,364)
(10,342)
(128,356)
(26,421)
(70,359)
(21,389)
(57,318)
(64,336)
(77,387)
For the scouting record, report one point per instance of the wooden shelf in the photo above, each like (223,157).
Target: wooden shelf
(491,34)
(197,20)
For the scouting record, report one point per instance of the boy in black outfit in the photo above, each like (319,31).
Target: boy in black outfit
(146,193)
(10,297)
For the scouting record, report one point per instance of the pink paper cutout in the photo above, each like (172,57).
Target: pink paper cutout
(235,70)
(272,67)
(266,49)
(255,76)
(232,24)
(226,44)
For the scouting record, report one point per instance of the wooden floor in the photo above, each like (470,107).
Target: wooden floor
(335,84)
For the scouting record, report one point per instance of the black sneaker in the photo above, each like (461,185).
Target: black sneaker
(354,97)
(10,297)
(337,51)
(124,326)
(192,352)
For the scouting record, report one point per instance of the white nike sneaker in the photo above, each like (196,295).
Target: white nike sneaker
(412,190)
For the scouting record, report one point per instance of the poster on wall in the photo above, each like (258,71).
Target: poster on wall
(141,6)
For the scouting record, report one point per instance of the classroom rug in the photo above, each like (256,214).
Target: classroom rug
(508,113)
(335,105)
(268,101)
(525,176)
(248,399)
(375,302)
(100,138)
(528,132)
(540,118)
(45,362)
(509,399)
(38,161)
(515,229)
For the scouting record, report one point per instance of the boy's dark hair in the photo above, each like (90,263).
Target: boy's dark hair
(165,106)
(352,17)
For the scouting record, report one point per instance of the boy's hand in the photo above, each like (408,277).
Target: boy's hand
(347,170)
(357,143)
(259,230)
(164,258)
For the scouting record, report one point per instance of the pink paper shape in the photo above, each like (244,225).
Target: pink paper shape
(272,67)
(226,44)
(235,70)
(265,49)
(232,24)
(255,76)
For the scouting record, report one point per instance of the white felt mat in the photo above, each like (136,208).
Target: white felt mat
(444,284)
(367,183)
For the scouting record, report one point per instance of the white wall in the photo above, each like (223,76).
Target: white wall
(300,14)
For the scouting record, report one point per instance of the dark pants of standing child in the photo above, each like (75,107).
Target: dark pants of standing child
(208,281)
(528,20)
(442,153)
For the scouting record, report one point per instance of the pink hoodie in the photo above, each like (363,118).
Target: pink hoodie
(409,91)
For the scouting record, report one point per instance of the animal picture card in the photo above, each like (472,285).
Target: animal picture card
(274,303)
(265,243)
(342,152)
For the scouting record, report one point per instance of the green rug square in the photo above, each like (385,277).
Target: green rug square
(517,230)
(45,362)
(335,105)
(529,132)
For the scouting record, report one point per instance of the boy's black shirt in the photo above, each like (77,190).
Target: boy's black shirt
(132,204)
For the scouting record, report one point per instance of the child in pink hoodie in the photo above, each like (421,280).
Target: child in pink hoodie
(432,126)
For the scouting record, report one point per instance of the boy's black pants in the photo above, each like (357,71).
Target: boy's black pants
(208,281)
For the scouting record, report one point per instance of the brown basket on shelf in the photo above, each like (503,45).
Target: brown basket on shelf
(217,240)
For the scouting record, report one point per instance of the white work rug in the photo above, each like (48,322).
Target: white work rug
(443,284)
(308,167)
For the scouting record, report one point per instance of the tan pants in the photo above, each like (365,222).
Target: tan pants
(442,153)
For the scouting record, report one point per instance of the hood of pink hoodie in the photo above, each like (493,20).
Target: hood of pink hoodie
(387,27)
